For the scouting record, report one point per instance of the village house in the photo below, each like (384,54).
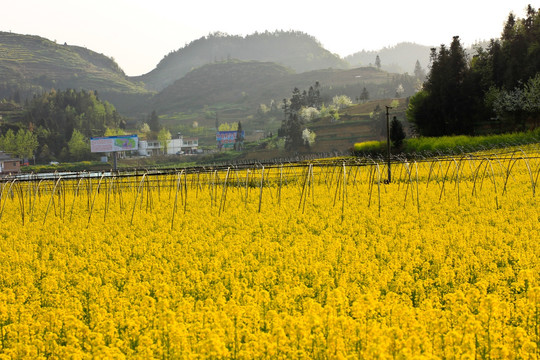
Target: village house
(9,164)
(176,146)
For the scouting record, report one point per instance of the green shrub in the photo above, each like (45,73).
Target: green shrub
(370,147)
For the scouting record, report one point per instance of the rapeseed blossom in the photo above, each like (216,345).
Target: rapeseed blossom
(307,262)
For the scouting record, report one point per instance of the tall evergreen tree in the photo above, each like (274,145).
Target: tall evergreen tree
(397,134)
(153,122)
(444,94)
(293,139)
(364,96)
(292,128)
(457,94)
(282,130)
(509,28)
(419,73)
(314,96)
(239,140)
(297,101)
(292,125)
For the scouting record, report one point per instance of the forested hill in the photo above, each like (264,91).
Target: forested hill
(236,89)
(293,49)
(229,82)
(32,64)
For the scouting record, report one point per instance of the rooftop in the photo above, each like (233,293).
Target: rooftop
(6,157)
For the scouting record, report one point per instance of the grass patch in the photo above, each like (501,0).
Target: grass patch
(373,146)
(470,143)
(68,167)
(453,144)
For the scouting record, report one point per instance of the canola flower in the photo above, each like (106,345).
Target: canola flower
(287,262)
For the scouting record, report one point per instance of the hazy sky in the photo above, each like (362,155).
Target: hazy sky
(139,33)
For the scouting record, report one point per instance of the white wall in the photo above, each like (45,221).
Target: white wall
(155,147)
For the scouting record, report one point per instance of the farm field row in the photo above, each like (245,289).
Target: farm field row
(315,261)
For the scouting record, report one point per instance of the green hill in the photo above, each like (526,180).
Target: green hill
(228,82)
(297,50)
(32,64)
(204,79)
(234,90)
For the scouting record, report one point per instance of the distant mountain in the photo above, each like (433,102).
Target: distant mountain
(293,49)
(32,64)
(218,71)
(400,58)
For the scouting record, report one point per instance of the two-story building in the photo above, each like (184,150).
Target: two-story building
(176,146)
(190,145)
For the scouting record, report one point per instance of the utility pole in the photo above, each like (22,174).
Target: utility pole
(388,145)
(115,167)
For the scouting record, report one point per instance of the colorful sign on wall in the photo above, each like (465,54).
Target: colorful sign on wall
(226,139)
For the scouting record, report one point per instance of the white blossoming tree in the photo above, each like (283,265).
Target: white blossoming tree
(308,136)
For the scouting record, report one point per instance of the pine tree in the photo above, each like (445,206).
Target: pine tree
(314,96)
(397,134)
(292,129)
(294,140)
(153,122)
(419,73)
(509,28)
(282,131)
(445,93)
(239,140)
(364,96)
(297,101)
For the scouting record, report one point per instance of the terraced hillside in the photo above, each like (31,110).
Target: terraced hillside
(30,63)
(235,89)
(356,124)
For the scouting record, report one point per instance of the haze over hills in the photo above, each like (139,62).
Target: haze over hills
(400,58)
(247,84)
(296,50)
(211,71)
(225,82)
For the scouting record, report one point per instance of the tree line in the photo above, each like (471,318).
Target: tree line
(292,126)
(58,124)
(498,88)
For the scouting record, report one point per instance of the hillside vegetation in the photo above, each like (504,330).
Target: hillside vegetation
(497,90)
(361,122)
(226,82)
(234,90)
(219,78)
(297,50)
(266,67)
(32,64)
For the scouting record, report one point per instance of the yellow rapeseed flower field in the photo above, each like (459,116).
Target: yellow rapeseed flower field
(315,261)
